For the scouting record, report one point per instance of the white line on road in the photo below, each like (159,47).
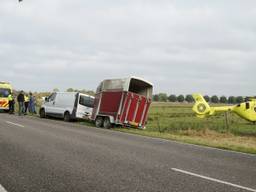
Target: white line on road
(16,124)
(2,189)
(215,180)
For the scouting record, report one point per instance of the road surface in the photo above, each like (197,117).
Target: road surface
(41,155)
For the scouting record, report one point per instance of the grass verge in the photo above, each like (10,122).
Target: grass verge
(177,122)
(207,138)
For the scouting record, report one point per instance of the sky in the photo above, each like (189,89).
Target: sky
(182,46)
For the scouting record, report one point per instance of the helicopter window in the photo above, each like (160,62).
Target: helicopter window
(247,105)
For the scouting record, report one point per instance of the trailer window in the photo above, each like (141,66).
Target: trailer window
(140,87)
(4,92)
(86,101)
(114,84)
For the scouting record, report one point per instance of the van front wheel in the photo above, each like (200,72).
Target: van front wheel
(67,117)
(42,113)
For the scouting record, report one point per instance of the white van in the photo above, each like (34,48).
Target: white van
(67,105)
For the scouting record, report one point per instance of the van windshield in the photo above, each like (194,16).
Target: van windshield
(86,101)
(4,92)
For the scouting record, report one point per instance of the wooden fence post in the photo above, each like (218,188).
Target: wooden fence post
(227,120)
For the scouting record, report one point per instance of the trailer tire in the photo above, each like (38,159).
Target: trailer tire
(67,117)
(42,113)
(99,122)
(107,123)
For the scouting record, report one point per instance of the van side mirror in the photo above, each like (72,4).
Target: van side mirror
(46,99)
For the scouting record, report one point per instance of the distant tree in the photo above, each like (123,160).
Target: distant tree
(239,99)
(172,98)
(189,98)
(155,97)
(231,100)
(181,98)
(70,90)
(163,97)
(223,99)
(55,90)
(207,98)
(214,99)
(89,92)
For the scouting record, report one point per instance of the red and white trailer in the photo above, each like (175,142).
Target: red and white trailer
(122,102)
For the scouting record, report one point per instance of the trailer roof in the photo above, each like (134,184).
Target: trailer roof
(133,84)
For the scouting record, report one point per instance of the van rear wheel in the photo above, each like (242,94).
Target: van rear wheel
(99,122)
(107,123)
(67,117)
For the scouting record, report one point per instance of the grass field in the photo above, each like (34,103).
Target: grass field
(178,122)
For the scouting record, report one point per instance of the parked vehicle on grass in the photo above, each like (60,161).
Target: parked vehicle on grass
(122,102)
(5,90)
(67,105)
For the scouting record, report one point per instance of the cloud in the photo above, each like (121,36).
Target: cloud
(180,46)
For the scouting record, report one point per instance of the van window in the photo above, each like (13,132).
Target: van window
(4,92)
(52,97)
(86,101)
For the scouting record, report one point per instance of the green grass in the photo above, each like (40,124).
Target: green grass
(178,122)
(164,117)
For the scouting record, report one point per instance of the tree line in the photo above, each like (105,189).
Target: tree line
(163,97)
(89,92)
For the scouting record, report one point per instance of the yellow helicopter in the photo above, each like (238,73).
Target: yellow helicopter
(246,110)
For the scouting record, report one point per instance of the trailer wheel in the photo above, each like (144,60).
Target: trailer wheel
(99,122)
(42,113)
(107,123)
(67,117)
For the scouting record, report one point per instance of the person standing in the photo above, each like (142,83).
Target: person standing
(21,99)
(26,102)
(32,103)
(11,103)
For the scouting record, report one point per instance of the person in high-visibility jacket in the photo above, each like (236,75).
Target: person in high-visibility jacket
(11,103)
(26,102)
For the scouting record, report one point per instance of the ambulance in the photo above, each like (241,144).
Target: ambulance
(5,90)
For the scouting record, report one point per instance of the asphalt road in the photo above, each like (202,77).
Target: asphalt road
(40,155)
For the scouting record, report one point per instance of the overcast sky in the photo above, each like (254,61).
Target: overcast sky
(181,46)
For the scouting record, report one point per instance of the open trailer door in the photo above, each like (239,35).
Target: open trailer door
(137,101)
